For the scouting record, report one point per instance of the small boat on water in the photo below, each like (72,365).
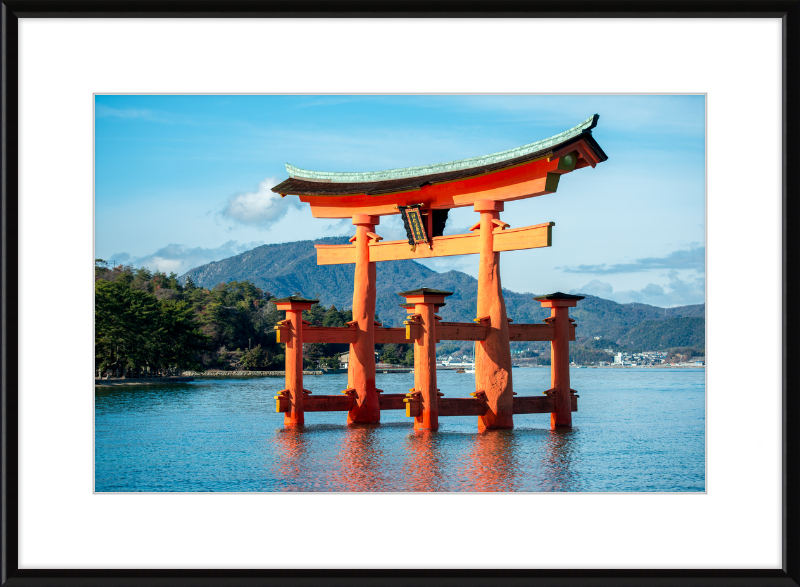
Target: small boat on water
(461,371)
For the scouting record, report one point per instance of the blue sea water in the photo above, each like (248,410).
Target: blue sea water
(637,430)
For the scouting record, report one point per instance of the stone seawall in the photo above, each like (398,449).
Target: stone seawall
(142,380)
(245,373)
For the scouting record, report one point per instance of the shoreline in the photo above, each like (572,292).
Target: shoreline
(141,381)
(620,368)
(189,376)
(245,373)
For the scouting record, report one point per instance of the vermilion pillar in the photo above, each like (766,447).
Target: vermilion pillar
(493,355)
(294,307)
(559,304)
(425,301)
(361,368)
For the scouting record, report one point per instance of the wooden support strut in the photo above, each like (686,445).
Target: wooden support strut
(424,399)
(290,331)
(560,393)
(361,367)
(493,373)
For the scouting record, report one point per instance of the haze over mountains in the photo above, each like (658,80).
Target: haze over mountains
(289,268)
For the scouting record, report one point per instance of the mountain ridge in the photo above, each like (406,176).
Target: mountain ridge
(288,268)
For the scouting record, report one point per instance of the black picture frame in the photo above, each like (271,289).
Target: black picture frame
(13,10)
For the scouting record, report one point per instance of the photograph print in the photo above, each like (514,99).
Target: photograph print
(400,293)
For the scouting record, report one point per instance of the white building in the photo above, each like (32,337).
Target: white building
(344,359)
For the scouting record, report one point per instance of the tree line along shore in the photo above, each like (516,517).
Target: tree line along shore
(149,324)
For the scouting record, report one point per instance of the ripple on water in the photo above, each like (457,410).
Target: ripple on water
(637,430)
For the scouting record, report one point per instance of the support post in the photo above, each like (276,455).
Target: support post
(559,304)
(425,301)
(291,332)
(492,355)
(361,367)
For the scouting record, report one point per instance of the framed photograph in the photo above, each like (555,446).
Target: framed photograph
(107,113)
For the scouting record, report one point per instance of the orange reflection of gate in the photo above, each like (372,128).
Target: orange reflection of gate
(423,462)
(492,465)
(362,464)
(292,450)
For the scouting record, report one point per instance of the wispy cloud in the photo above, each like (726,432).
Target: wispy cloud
(678,292)
(119,258)
(180,258)
(693,258)
(339,227)
(391,228)
(261,208)
(103,111)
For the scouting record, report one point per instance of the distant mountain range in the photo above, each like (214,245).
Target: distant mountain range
(288,268)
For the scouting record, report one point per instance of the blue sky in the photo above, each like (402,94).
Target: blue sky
(184,180)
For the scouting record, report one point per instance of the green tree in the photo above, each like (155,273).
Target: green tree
(331,362)
(126,324)
(180,340)
(254,359)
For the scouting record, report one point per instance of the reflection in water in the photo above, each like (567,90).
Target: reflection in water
(559,450)
(423,461)
(223,435)
(360,460)
(291,446)
(492,464)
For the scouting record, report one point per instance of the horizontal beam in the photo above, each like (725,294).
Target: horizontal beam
(338,334)
(328,403)
(538,404)
(512,239)
(319,403)
(404,335)
(462,331)
(348,335)
(446,406)
(477,407)
(391,401)
(461,406)
(535,332)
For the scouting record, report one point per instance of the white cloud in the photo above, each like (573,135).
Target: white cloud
(596,288)
(119,258)
(180,258)
(678,292)
(693,258)
(261,208)
(391,228)
(339,227)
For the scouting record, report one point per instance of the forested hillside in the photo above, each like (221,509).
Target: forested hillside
(285,269)
(148,323)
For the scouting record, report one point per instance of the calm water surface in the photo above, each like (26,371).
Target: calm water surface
(637,430)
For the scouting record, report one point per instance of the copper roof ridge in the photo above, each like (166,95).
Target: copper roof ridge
(584,127)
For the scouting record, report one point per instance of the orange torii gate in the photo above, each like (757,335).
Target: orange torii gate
(423,195)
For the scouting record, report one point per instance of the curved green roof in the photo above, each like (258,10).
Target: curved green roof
(365,176)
